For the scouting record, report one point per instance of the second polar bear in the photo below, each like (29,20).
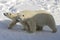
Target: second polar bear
(33,20)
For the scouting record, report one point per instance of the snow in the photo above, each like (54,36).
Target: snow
(18,5)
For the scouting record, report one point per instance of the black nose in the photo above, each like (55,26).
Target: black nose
(4,14)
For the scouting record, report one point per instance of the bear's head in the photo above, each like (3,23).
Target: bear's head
(10,15)
(14,16)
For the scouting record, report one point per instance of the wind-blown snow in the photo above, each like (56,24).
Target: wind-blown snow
(16,33)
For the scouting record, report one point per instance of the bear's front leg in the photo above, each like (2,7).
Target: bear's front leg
(12,24)
(32,26)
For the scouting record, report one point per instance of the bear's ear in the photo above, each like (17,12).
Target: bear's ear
(23,15)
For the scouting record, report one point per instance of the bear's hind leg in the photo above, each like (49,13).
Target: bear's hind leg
(52,25)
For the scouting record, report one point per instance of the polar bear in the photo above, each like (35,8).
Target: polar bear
(33,20)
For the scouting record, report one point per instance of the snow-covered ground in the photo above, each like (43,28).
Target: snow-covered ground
(16,33)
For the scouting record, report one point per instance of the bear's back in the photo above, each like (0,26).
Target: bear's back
(30,13)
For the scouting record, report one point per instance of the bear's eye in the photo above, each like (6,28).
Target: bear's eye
(10,14)
(23,15)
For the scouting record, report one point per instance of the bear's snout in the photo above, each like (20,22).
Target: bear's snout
(5,14)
